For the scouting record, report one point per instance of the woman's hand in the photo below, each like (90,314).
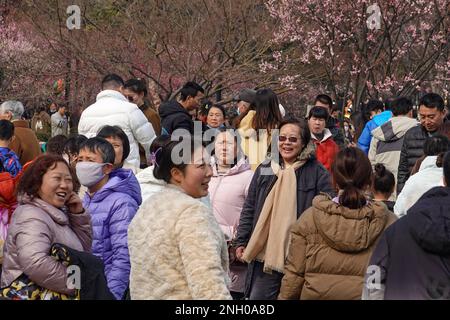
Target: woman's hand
(74,204)
(240,252)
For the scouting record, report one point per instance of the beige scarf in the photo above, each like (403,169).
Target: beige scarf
(270,239)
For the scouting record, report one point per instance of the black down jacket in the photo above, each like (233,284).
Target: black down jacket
(413,255)
(412,150)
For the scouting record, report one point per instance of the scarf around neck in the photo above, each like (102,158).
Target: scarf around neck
(270,239)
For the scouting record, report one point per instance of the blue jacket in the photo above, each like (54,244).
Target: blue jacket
(112,208)
(9,162)
(366,136)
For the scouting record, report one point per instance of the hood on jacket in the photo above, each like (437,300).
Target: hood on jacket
(348,230)
(381,118)
(58,215)
(245,127)
(326,135)
(123,181)
(394,129)
(111,94)
(241,166)
(428,163)
(170,108)
(146,177)
(429,221)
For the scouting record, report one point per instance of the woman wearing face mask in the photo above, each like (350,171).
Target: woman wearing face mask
(282,188)
(49,212)
(228,190)
(177,249)
(112,200)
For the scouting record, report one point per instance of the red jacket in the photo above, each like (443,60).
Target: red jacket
(326,149)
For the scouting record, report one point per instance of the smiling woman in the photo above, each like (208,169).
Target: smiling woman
(49,212)
(174,235)
(279,193)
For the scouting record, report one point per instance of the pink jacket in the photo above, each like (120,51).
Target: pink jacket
(227,194)
(35,227)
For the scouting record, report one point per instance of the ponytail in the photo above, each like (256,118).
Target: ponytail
(352,197)
(352,174)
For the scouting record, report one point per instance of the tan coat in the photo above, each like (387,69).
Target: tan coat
(152,117)
(24,143)
(34,228)
(330,248)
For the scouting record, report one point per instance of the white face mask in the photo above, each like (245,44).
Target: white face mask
(90,173)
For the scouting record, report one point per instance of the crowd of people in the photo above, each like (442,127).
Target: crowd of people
(195,200)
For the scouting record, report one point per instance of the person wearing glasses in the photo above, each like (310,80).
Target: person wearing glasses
(322,137)
(282,188)
(136,92)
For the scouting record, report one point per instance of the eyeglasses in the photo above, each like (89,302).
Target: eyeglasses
(130,98)
(284,138)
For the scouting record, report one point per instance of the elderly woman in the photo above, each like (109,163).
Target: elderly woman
(279,193)
(49,212)
(25,143)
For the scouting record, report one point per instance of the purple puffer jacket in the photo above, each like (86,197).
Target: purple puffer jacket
(112,208)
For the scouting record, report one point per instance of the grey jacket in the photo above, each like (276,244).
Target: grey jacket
(387,142)
(34,228)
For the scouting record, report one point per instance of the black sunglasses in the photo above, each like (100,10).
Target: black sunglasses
(284,138)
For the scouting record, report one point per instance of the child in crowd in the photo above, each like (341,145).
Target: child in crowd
(383,185)
(112,200)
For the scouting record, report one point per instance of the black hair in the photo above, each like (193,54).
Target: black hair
(305,134)
(55,145)
(435,145)
(389,103)
(352,173)
(446,167)
(190,89)
(325,99)
(137,86)
(218,106)
(159,142)
(206,105)
(101,146)
(318,112)
(374,105)
(383,180)
(432,100)
(72,145)
(116,132)
(6,130)
(168,151)
(112,81)
(401,106)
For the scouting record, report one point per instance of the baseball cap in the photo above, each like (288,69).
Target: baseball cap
(247,95)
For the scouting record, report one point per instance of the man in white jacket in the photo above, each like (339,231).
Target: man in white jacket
(112,108)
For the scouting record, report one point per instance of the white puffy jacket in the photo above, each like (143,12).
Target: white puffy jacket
(428,176)
(112,108)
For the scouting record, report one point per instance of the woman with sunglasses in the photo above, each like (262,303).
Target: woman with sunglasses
(281,189)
